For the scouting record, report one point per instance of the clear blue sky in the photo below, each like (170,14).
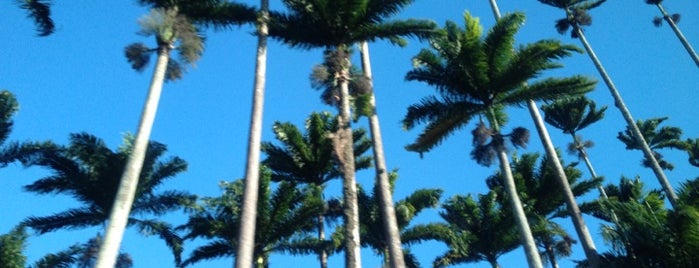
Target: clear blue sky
(78,80)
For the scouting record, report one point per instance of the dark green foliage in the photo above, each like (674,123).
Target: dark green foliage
(81,256)
(648,234)
(12,247)
(691,146)
(89,171)
(8,107)
(325,23)
(657,138)
(535,184)
(210,13)
(572,114)
(479,75)
(40,12)
(475,231)
(373,234)
(281,214)
(308,157)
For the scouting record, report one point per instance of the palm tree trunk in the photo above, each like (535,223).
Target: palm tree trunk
(119,216)
(246,237)
(585,158)
(525,233)
(323,255)
(344,151)
(573,209)
(679,34)
(552,257)
(388,212)
(619,103)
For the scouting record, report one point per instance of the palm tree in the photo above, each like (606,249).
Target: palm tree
(534,184)
(172,31)
(247,232)
(576,17)
(573,209)
(479,76)
(672,20)
(306,158)
(373,232)
(572,115)
(649,234)
(388,211)
(281,214)
(335,26)
(658,138)
(90,172)
(40,12)
(474,231)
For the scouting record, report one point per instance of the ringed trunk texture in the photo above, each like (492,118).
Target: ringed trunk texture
(388,212)
(246,232)
(573,209)
(631,124)
(119,216)
(343,144)
(679,34)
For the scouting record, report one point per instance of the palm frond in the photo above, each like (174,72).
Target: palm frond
(40,12)
(70,219)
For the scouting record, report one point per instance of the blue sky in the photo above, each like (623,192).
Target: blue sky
(78,80)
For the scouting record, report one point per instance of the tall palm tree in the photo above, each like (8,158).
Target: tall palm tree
(90,172)
(479,76)
(385,195)
(306,158)
(475,230)
(335,26)
(573,209)
(282,213)
(577,17)
(40,12)
(572,115)
(672,20)
(172,31)
(247,232)
(373,232)
(666,137)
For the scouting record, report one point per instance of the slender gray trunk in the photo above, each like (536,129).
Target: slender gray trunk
(525,233)
(573,209)
(246,231)
(586,158)
(631,124)
(323,255)
(552,257)
(119,216)
(679,34)
(344,150)
(388,212)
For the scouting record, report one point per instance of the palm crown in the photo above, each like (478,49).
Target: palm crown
(90,172)
(478,75)
(324,23)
